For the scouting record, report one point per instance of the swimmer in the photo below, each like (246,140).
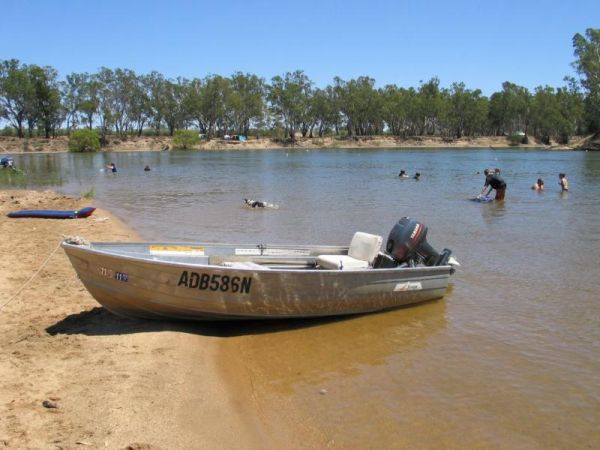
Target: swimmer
(147,169)
(403,174)
(112,167)
(417,176)
(538,185)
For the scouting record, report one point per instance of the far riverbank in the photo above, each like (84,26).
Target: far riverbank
(11,145)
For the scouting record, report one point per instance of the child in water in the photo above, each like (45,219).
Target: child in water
(538,185)
(563,182)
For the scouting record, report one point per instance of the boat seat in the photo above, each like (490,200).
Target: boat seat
(363,250)
(244,265)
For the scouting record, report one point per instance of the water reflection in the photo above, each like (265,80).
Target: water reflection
(307,357)
(493,212)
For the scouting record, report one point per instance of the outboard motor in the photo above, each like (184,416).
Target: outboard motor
(407,244)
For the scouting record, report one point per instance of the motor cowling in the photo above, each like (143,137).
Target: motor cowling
(407,243)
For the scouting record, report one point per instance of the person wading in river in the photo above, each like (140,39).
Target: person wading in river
(494,181)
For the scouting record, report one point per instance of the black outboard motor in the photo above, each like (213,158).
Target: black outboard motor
(407,243)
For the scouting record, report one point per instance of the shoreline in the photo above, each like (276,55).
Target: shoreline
(13,145)
(115,382)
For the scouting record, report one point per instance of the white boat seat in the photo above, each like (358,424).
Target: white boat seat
(362,252)
(244,265)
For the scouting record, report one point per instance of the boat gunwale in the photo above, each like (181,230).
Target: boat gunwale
(89,249)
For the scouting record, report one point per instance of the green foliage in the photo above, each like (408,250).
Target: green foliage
(587,51)
(290,101)
(118,101)
(517,139)
(8,132)
(89,194)
(185,139)
(84,141)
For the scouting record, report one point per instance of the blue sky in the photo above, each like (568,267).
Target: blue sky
(402,42)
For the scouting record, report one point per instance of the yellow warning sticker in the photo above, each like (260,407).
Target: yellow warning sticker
(176,250)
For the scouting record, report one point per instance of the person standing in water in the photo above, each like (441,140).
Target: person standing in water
(494,181)
(112,167)
(563,182)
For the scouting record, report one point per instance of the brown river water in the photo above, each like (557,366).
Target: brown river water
(510,358)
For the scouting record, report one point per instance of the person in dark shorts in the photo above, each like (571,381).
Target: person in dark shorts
(494,181)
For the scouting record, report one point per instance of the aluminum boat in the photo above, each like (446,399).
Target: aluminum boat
(262,281)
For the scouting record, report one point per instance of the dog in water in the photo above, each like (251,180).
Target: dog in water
(255,203)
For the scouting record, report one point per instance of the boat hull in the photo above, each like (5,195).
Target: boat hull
(143,288)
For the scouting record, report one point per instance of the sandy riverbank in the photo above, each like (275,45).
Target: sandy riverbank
(115,382)
(10,145)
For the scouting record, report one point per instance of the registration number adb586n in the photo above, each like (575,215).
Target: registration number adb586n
(215,282)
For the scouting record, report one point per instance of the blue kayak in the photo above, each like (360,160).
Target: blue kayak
(53,214)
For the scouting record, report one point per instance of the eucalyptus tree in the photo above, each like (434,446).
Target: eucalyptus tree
(556,113)
(154,85)
(361,104)
(324,110)
(192,103)
(465,110)
(89,102)
(545,113)
(107,107)
(587,51)
(15,93)
(247,100)
(214,103)
(174,112)
(124,90)
(289,97)
(45,102)
(509,109)
(429,105)
(572,107)
(396,109)
(72,93)
(139,109)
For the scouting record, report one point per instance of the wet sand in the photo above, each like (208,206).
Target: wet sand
(108,381)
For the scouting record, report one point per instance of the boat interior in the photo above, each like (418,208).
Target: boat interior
(364,252)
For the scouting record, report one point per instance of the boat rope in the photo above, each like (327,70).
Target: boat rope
(32,277)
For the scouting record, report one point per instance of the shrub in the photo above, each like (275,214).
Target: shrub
(84,141)
(8,131)
(517,139)
(185,139)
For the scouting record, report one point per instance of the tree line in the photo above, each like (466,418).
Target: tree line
(34,101)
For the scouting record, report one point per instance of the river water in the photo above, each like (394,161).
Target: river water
(508,359)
